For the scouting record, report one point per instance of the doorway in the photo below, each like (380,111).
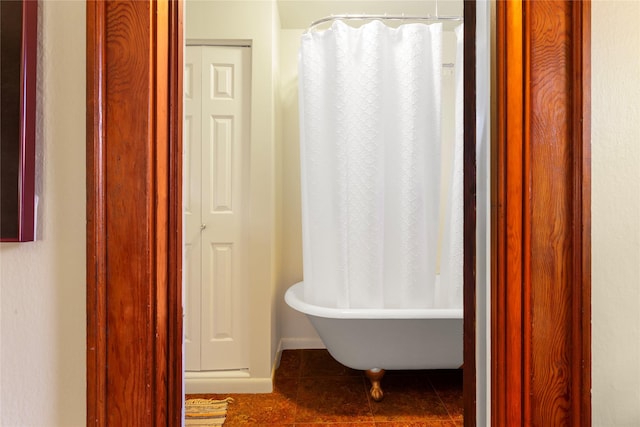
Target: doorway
(236,21)
(133,373)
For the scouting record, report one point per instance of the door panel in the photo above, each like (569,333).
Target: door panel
(216,174)
(225,176)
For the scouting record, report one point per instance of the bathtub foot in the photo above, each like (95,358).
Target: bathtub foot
(375,375)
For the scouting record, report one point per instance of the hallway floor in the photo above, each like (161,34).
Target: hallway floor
(312,389)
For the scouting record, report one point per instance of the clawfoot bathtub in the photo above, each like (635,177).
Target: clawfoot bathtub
(377,339)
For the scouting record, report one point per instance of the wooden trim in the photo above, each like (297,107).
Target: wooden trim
(175,248)
(581,175)
(96,223)
(134,319)
(507,304)
(541,287)
(469,221)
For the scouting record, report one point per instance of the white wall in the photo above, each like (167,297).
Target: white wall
(616,212)
(42,284)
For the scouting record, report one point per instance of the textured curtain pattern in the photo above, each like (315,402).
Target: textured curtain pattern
(370,120)
(449,291)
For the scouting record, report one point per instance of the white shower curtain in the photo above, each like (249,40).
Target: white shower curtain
(370,127)
(450,290)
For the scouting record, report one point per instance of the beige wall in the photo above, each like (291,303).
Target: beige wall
(42,284)
(295,328)
(616,212)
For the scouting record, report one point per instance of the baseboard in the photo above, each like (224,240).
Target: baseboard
(301,343)
(241,381)
(294,344)
(225,382)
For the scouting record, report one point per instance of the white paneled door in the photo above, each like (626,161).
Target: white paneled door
(216,179)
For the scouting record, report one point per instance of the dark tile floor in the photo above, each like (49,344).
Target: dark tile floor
(312,389)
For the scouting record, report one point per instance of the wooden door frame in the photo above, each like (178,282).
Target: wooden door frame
(540,376)
(469,215)
(134,213)
(541,287)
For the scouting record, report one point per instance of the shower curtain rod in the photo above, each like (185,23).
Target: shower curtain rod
(452,18)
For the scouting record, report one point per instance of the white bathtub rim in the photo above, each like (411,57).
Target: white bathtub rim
(294,298)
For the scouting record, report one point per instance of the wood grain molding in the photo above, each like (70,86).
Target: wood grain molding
(175,247)
(469,217)
(541,333)
(133,260)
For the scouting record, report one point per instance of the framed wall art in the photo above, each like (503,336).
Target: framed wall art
(18,57)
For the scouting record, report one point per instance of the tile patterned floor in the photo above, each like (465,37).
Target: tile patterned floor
(311,389)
